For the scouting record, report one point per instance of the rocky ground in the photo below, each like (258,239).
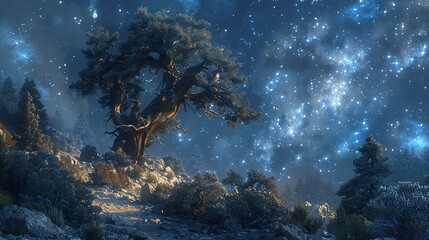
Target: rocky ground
(126,218)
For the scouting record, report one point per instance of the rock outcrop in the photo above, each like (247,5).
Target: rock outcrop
(22,221)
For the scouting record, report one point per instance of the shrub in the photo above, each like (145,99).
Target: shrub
(174,164)
(402,210)
(118,159)
(312,225)
(137,171)
(256,179)
(255,207)
(162,192)
(89,153)
(151,177)
(76,170)
(6,198)
(201,199)
(299,216)
(353,226)
(56,216)
(93,231)
(105,173)
(6,136)
(37,177)
(233,180)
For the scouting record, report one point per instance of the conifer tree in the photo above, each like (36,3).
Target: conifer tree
(288,195)
(8,94)
(5,164)
(196,161)
(82,128)
(32,138)
(30,87)
(370,168)
(8,102)
(57,121)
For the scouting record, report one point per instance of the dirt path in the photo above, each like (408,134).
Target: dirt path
(124,215)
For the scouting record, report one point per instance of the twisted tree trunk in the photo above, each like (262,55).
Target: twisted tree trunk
(136,129)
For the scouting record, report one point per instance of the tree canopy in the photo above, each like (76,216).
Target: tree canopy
(189,69)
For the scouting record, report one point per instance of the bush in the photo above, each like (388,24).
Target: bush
(353,226)
(107,174)
(118,159)
(151,177)
(89,154)
(6,198)
(233,180)
(256,179)
(161,193)
(255,207)
(76,170)
(93,231)
(56,216)
(6,136)
(37,177)
(201,199)
(299,216)
(174,164)
(402,210)
(137,171)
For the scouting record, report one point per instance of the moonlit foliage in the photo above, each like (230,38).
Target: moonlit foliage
(403,210)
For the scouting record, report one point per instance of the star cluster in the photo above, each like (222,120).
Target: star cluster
(325,73)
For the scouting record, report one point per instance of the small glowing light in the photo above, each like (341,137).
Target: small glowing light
(94,14)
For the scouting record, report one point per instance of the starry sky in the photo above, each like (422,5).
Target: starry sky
(326,74)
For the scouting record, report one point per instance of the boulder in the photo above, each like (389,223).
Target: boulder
(139,235)
(22,221)
(116,220)
(290,231)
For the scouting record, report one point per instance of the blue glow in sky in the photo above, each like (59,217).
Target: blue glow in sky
(190,5)
(415,136)
(19,49)
(93,8)
(364,9)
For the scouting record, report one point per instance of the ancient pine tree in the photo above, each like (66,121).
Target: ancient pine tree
(190,71)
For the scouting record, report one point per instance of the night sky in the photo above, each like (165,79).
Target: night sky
(326,74)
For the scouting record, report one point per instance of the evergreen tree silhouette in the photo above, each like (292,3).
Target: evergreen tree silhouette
(30,87)
(370,168)
(32,138)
